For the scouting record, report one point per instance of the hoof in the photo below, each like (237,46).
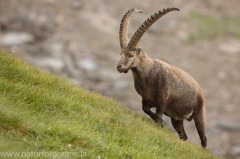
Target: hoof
(159,122)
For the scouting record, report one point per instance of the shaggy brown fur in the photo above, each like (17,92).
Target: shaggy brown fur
(170,90)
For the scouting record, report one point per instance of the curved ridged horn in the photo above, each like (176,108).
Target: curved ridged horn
(141,30)
(123,32)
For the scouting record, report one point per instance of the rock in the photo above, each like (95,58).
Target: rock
(154,29)
(77,82)
(33,25)
(234,152)
(99,21)
(229,125)
(101,87)
(54,64)
(183,35)
(56,48)
(109,74)
(230,47)
(121,84)
(76,4)
(214,131)
(71,69)
(16,38)
(222,75)
(88,64)
(50,1)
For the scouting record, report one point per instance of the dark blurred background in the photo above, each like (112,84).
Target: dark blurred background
(78,39)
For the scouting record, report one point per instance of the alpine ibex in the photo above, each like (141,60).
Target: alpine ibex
(170,90)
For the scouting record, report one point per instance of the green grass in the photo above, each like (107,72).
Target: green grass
(41,112)
(210,27)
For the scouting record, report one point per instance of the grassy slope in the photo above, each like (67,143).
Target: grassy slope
(43,112)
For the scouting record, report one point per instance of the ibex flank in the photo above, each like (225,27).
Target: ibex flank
(170,90)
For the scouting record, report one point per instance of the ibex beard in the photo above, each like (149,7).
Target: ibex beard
(170,90)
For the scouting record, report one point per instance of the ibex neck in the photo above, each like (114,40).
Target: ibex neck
(144,68)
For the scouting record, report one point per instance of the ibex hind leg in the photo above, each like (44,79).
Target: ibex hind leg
(199,122)
(178,126)
(199,119)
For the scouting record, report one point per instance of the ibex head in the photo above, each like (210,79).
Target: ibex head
(130,54)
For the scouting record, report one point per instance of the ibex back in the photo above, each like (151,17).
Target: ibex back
(170,90)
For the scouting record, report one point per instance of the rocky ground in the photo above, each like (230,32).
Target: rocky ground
(78,39)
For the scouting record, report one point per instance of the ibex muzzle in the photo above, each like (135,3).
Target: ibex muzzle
(128,61)
(170,90)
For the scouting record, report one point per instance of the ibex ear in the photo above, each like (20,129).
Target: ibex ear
(139,51)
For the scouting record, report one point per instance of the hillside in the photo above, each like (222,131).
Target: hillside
(45,114)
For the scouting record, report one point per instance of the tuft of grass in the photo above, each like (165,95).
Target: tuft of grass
(45,116)
(210,27)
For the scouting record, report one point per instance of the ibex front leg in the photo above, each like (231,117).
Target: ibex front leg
(160,108)
(157,117)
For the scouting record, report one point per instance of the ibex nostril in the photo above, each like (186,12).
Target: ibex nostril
(119,66)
